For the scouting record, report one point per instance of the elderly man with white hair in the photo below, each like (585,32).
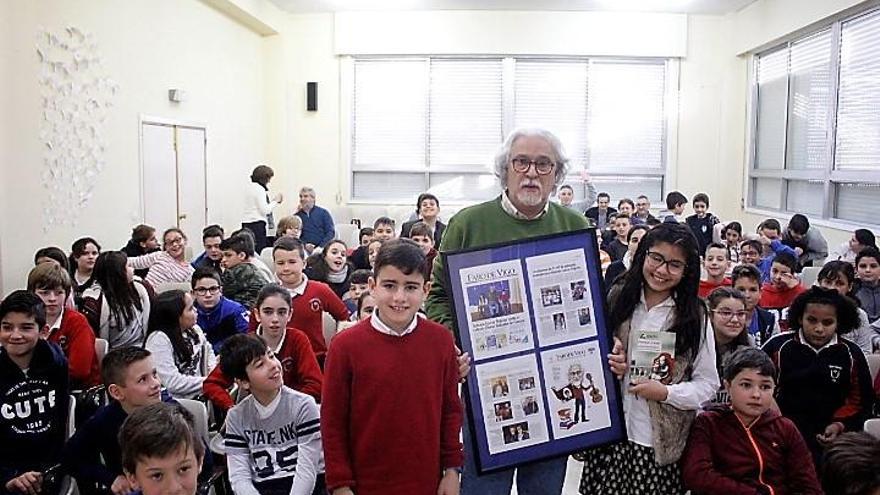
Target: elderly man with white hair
(318,228)
(530,165)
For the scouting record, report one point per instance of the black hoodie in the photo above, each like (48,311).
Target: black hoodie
(33,412)
(134,249)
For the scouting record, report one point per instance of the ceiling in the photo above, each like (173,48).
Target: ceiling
(673,6)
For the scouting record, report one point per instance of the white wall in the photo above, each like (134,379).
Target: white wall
(148,47)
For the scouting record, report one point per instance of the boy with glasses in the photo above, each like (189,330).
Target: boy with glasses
(218,316)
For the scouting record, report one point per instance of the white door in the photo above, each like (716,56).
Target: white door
(159,176)
(192,210)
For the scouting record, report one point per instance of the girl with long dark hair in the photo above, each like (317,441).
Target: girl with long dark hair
(117,305)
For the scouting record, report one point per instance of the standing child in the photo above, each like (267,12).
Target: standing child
(746,447)
(702,223)
(394,354)
(217,316)
(761,324)
(161,453)
(824,382)
(33,396)
(778,294)
(117,305)
(659,296)
(241,280)
(183,356)
(840,276)
(310,298)
(675,203)
(68,328)
(331,267)
(273,437)
(868,292)
(716,265)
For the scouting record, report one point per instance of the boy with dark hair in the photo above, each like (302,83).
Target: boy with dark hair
(241,280)
(770,237)
(252,255)
(850,466)
(715,264)
(383,229)
(273,436)
(808,242)
(68,328)
(746,447)
(358,280)
(365,235)
(212,236)
(421,234)
(702,223)
(33,395)
(868,290)
(602,213)
(161,453)
(779,292)
(761,323)
(675,203)
(92,455)
(395,353)
(217,316)
(617,246)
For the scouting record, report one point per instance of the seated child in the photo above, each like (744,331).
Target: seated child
(750,251)
(824,382)
(868,292)
(241,280)
(424,237)
(365,235)
(310,298)
(217,316)
(33,396)
(619,267)
(715,263)
(850,466)
(617,246)
(746,447)
(182,354)
(273,436)
(728,316)
(366,304)
(840,276)
(760,323)
(331,267)
(770,237)
(393,354)
(161,453)
(289,226)
(807,241)
(92,455)
(778,293)
(252,254)
(143,241)
(68,328)
(212,236)
(383,230)
(290,346)
(358,286)
(731,235)
(702,223)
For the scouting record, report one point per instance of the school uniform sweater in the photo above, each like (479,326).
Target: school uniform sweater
(707,286)
(778,300)
(702,229)
(819,386)
(298,363)
(724,455)
(33,411)
(77,339)
(762,326)
(869,299)
(391,414)
(222,321)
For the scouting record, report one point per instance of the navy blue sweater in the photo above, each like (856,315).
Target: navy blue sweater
(318,227)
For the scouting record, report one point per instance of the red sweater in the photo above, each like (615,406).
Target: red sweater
(391,414)
(308,314)
(300,371)
(723,456)
(778,301)
(77,339)
(707,286)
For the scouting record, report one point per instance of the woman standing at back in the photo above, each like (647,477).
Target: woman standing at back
(258,205)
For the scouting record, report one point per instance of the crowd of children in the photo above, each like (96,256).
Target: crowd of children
(770,387)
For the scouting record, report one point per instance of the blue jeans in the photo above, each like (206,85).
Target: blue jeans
(537,478)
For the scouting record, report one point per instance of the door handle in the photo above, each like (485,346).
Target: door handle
(182,216)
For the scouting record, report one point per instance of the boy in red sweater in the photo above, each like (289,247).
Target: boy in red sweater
(745,447)
(391,415)
(715,264)
(67,327)
(782,289)
(310,298)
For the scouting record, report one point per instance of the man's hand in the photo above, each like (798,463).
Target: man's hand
(30,482)
(617,359)
(449,483)
(464,364)
(121,486)
(310,247)
(279,198)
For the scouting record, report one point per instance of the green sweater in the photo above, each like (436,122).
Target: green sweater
(485,224)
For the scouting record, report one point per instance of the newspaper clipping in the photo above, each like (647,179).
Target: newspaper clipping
(577,391)
(561,296)
(498,316)
(510,392)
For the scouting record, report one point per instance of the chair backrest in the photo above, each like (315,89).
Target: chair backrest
(102,346)
(266,256)
(184,286)
(872,426)
(200,416)
(809,275)
(329,327)
(71,417)
(873,365)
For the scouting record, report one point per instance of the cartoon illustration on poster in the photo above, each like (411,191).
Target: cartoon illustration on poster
(576,389)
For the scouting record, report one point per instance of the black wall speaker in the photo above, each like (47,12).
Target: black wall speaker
(312,96)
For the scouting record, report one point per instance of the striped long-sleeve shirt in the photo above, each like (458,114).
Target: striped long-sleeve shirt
(163,268)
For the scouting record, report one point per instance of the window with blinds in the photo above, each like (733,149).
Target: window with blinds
(434,123)
(816,136)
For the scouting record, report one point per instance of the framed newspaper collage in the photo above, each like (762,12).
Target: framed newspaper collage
(530,314)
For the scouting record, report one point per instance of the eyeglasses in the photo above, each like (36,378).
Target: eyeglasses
(202,291)
(176,240)
(726,314)
(656,260)
(543,166)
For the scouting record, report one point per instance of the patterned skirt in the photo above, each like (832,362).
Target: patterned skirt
(628,468)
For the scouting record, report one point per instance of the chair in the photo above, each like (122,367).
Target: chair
(809,275)
(68,484)
(184,286)
(872,426)
(266,256)
(329,327)
(873,365)
(200,417)
(348,233)
(102,346)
